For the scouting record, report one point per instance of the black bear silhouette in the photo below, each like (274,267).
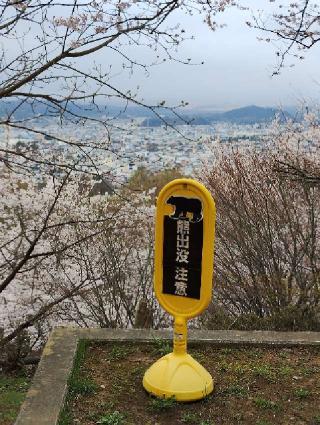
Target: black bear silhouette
(184,205)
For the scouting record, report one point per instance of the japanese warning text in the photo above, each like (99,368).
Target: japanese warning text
(182,257)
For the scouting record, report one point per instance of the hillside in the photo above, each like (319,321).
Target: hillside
(246,115)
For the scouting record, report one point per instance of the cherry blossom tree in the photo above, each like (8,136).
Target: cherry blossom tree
(267,242)
(66,255)
(294,27)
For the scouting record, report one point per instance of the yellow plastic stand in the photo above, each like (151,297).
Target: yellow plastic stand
(178,374)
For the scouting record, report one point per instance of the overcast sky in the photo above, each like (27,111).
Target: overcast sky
(236,72)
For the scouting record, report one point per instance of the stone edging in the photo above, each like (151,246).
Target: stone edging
(46,395)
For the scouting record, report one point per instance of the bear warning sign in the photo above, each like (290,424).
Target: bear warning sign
(184,246)
(183,268)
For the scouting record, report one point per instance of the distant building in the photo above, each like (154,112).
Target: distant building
(101,188)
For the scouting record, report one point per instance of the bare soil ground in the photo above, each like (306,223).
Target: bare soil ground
(257,386)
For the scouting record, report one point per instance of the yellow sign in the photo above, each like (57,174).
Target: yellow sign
(184,240)
(184,246)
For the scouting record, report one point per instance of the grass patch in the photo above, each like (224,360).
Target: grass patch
(255,353)
(309,371)
(12,393)
(239,368)
(190,418)
(302,393)
(236,390)
(138,371)
(265,371)
(162,404)
(118,352)
(226,350)
(285,370)
(82,386)
(161,346)
(263,403)
(114,418)
(195,419)
(77,384)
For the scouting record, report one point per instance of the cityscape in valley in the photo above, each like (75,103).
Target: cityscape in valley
(135,140)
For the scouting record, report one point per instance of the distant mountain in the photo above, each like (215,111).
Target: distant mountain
(252,115)
(247,115)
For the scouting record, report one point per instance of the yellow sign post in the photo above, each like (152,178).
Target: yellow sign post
(184,246)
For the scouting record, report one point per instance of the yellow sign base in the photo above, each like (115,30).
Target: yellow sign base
(179,376)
